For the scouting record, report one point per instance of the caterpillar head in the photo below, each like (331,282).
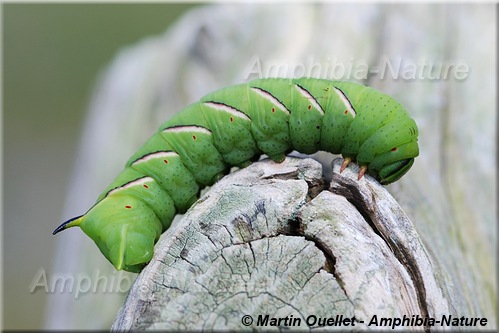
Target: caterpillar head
(392,165)
(393,171)
(124,228)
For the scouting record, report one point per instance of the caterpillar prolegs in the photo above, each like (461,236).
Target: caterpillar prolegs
(230,127)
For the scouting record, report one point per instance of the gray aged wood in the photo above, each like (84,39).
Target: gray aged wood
(449,194)
(258,244)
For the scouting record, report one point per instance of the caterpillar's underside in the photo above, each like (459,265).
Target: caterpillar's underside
(232,126)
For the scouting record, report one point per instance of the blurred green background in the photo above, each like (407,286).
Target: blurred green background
(52,54)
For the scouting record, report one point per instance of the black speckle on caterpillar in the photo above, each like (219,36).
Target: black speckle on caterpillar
(233,126)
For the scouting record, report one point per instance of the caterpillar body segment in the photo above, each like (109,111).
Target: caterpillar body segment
(233,126)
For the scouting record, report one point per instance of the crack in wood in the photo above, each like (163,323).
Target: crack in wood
(350,190)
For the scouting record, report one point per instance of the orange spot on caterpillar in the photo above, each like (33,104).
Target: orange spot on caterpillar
(346,112)
(146,186)
(128,207)
(394,149)
(231,119)
(273,110)
(309,107)
(194,137)
(166,161)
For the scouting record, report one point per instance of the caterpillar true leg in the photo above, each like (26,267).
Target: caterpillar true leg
(346,162)
(362,171)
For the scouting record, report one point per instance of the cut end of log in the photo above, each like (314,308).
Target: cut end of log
(259,244)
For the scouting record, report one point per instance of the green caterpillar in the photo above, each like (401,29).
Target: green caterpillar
(233,126)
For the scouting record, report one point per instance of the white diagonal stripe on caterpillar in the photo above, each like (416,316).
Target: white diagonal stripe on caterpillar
(345,101)
(271,98)
(189,128)
(136,182)
(159,154)
(311,98)
(227,108)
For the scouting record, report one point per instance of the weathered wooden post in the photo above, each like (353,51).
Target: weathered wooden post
(269,245)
